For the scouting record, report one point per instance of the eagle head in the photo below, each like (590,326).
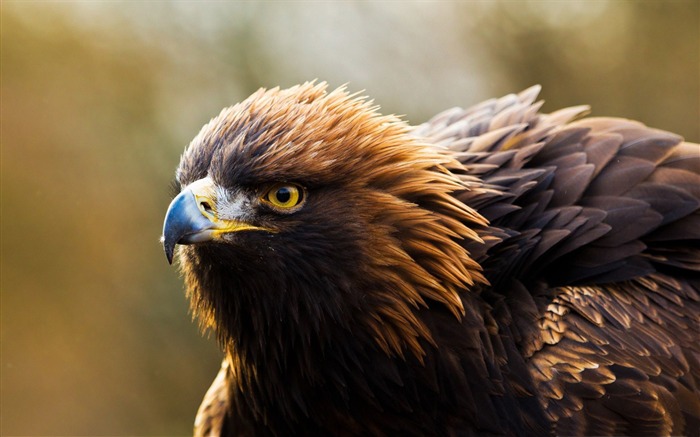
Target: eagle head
(304,212)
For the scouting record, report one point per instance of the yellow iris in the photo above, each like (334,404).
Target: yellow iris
(283,196)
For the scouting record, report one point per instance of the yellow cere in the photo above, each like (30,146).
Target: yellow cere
(205,195)
(204,192)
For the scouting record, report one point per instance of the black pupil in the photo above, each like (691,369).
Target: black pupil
(283,195)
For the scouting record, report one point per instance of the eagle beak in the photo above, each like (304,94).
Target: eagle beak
(192,218)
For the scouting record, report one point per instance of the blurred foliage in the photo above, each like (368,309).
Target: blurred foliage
(99,99)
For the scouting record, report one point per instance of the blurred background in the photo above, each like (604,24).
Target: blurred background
(100,98)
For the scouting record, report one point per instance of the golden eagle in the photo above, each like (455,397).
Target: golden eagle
(494,271)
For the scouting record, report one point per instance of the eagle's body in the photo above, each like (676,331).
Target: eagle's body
(495,271)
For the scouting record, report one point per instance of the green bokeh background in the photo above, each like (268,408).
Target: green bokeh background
(100,98)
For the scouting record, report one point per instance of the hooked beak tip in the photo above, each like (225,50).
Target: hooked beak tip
(169,251)
(169,248)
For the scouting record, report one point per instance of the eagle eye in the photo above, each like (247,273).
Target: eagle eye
(284,197)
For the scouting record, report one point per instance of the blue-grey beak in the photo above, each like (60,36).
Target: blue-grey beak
(192,217)
(185,223)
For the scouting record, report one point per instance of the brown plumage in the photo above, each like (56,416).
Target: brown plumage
(494,271)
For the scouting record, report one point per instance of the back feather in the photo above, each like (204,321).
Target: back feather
(592,254)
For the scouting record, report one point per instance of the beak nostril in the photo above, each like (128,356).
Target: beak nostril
(206,206)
